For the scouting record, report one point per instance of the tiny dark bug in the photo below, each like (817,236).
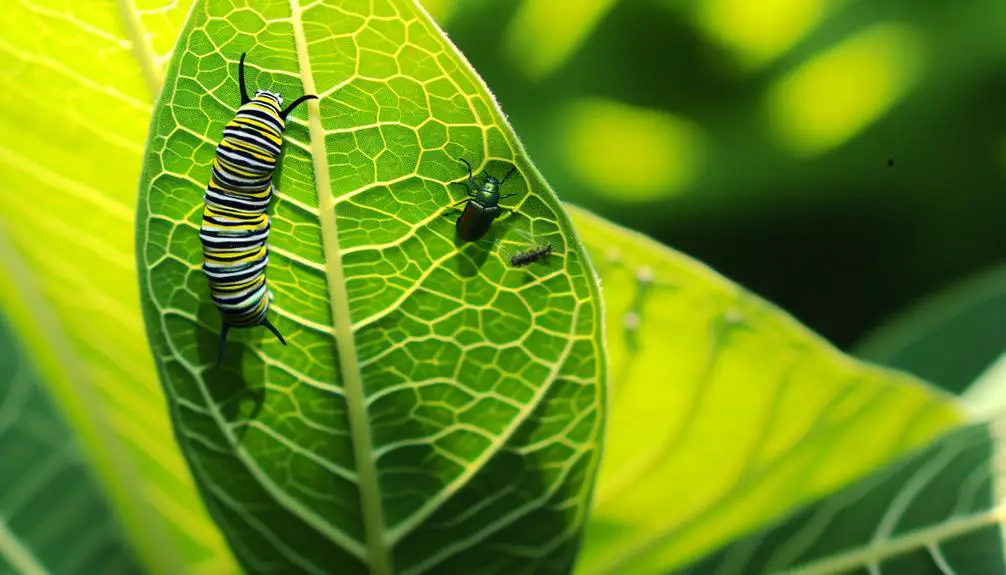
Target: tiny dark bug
(481,205)
(529,257)
(890,162)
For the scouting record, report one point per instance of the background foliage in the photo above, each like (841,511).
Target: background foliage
(755,136)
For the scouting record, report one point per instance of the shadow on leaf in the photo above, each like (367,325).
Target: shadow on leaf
(239,403)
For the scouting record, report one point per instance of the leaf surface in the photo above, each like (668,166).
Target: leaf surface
(725,413)
(434,410)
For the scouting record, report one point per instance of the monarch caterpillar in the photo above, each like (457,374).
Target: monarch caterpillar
(235,224)
(531,256)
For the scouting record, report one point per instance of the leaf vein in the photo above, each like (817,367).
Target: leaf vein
(378,554)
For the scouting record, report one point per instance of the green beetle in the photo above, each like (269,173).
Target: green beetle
(481,205)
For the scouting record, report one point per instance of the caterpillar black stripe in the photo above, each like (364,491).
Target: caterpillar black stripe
(531,256)
(235,224)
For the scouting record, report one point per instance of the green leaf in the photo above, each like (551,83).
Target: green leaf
(948,338)
(936,511)
(54,514)
(986,397)
(75,100)
(434,410)
(724,411)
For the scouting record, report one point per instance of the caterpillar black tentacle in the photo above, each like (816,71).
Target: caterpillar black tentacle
(235,226)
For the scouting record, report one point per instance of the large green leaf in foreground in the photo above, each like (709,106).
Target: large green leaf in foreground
(434,409)
(54,516)
(725,413)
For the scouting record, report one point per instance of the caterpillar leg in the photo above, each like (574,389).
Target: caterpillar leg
(273,329)
(223,341)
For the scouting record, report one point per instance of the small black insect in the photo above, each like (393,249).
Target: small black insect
(529,257)
(481,205)
(890,163)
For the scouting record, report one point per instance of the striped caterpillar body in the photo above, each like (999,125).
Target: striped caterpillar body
(235,224)
(531,256)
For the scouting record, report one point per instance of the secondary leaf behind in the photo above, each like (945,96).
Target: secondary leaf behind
(434,408)
(76,85)
(949,337)
(54,515)
(725,413)
(935,511)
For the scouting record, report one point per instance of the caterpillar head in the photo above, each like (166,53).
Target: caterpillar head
(269,96)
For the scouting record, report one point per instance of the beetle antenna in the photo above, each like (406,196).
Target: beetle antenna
(512,170)
(241,80)
(296,103)
(471,179)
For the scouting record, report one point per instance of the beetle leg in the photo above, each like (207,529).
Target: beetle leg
(468,191)
(507,196)
(512,170)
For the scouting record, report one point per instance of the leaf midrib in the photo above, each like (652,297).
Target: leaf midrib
(378,552)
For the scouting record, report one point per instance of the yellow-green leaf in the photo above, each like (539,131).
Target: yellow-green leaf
(725,413)
(76,86)
(54,516)
(435,409)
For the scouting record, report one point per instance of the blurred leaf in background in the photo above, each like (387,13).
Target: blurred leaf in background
(725,414)
(754,136)
(949,338)
(55,517)
(76,89)
(937,511)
